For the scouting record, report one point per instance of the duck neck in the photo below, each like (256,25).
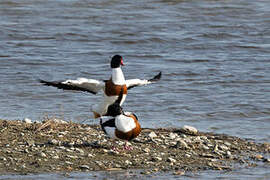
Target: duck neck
(118,76)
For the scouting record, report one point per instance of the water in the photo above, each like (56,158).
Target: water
(214,55)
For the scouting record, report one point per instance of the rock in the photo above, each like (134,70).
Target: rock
(227,143)
(55,157)
(42,154)
(128,162)
(80,150)
(223,147)
(181,144)
(156,159)
(68,163)
(197,140)
(189,130)
(27,120)
(90,155)
(258,157)
(171,160)
(71,157)
(204,138)
(99,163)
(207,155)
(84,167)
(25,150)
(68,150)
(187,155)
(266,160)
(71,143)
(3,159)
(228,153)
(179,173)
(147,150)
(30,142)
(205,147)
(60,121)
(172,135)
(62,147)
(53,142)
(183,135)
(216,148)
(146,172)
(152,134)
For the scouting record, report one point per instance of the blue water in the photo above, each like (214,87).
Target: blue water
(214,55)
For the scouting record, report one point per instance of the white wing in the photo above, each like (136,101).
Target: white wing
(80,84)
(130,83)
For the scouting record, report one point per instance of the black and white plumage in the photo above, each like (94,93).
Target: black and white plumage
(111,87)
(118,124)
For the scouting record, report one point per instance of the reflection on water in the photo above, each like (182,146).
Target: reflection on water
(214,56)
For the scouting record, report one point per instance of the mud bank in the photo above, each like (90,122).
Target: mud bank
(56,146)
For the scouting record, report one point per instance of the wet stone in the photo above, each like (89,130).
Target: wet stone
(42,154)
(55,157)
(258,157)
(68,163)
(227,143)
(147,150)
(171,160)
(128,162)
(79,150)
(173,135)
(152,135)
(181,144)
(27,120)
(189,130)
(84,167)
(223,147)
(205,147)
(156,159)
(53,142)
(187,155)
(3,159)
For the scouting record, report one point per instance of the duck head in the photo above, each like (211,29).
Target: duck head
(117,61)
(114,110)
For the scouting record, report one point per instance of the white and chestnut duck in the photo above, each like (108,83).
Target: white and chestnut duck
(111,87)
(118,124)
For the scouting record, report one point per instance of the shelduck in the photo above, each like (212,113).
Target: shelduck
(118,124)
(111,88)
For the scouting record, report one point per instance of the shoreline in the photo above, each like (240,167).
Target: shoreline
(55,146)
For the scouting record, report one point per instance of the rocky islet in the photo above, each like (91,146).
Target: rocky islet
(58,146)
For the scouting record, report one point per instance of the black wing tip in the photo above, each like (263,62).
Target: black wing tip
(48,83)
(60,85)
(44,82)
(156,77)
(41,81)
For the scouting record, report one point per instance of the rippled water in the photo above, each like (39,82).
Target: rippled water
(214,55)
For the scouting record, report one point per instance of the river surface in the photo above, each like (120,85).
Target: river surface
(214,56)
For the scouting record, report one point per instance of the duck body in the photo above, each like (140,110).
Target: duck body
(124,126)
(112,88)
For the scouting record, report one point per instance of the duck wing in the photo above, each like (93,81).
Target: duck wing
(80,84)
(131,83)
